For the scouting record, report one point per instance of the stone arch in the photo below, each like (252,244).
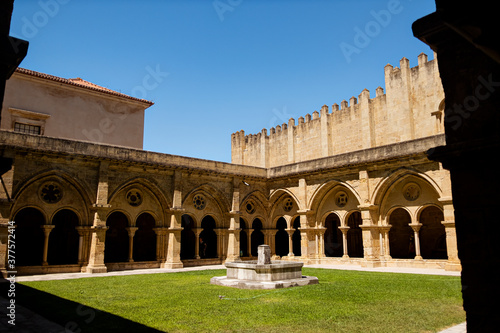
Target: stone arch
(383,190)
(284,205)
(401,235)
(354,235)
(29,236)
(64,238)
(139,195)
(432,234)
(333,236)
(244,237)
(338,197)
(188,237)
(116,247)
(144,248)
(257,237)
(72,194)
(254,206)
(281,237)
(208,237)
(296,237)
(212,202)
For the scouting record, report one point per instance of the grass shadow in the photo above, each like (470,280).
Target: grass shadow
(74,317)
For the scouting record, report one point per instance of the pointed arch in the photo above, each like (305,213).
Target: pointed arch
(323,190)
(381,189)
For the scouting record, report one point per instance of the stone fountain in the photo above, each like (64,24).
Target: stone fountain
(263,273)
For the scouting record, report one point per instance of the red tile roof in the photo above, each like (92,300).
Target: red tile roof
(80,83)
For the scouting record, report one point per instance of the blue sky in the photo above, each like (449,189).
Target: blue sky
(216,67)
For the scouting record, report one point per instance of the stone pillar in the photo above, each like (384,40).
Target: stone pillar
(97,243)
(85,233)
(344,242)
(416,228)
(161,243)
(263,255)
(453,263)
(290,241)
(464,36)
(233,240)
(4,240)
(174,240)
(131,232)
(197,232)
(384,242)
(46,232)
(386,248)
(321,245)
(249,244)
(100,209)
(370,234)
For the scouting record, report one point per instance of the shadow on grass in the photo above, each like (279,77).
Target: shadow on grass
(74,317)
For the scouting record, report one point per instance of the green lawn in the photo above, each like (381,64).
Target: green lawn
(343,301)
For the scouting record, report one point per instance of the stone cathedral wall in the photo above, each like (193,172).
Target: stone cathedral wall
(410,108)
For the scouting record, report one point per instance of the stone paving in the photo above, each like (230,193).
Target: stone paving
(30,322)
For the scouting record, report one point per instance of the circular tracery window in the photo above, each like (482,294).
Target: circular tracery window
(288,204)
(250,207)
(51,192)
(411,192)
(341,199)
(134,197)
(199,202)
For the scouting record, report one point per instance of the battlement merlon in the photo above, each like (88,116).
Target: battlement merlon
(373,117)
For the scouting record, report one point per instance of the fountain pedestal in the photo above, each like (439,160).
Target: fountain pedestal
(264,273)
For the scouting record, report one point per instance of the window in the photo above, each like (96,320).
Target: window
(26,128)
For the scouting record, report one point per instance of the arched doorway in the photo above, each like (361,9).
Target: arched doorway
(29,237)
(64,239)
(188,238)
(243,239)
(145,238)
(117,241)
(257,237)
(401,235)
(208,238)
(296,246)
(432,234)
(355,236)
(333,236)
(281,238)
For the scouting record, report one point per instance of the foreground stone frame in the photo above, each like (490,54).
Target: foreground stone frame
(97,181)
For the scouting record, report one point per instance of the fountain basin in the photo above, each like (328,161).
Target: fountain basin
(263,273)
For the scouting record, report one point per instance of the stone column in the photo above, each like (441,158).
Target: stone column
(233,241)
(290,242)
(197,232)
(46,232)
(100,209)
(272,243)
(249,244)
(344,242)
(97,243)
(321,234)
(174,240)
(453,263)
(386,248)
(131,232)
(370,234)
(161,246)
(85,233)
(416,228)
(4,240)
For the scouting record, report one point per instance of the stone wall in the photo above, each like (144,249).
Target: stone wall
(411,108)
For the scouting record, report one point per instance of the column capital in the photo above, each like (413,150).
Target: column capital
(415,226)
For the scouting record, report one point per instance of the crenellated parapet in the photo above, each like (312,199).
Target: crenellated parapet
(408,109)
